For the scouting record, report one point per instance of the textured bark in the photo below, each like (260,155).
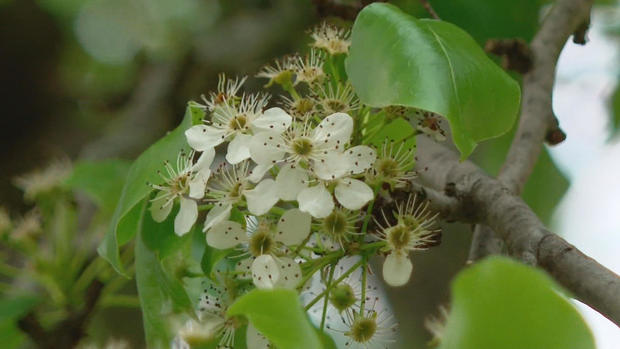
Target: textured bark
(492,203)
(537,122)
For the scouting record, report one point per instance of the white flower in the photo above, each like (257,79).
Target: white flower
(185,182)
(230,185)
(310,68)
(280,73)
(236,122)
(339,226)
(255,339)
(412,232)
(303,144)
(227,89)
(340,99)
(337,168)
(394,165)
(263,243)
(332,39)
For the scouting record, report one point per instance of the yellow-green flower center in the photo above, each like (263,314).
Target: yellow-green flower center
(261,242)
(238,122)
(363,329)
(399,236)
(342,296)
(302,146)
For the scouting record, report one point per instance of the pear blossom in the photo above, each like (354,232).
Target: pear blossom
(185,182)
(231,185)
(227,89)
(263,243)
(338,99)
(430,124)
(412,232)
(309,69)
(280,73)
(394,165)
(236,122)
(332,39)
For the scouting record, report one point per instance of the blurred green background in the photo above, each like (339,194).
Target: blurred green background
(97,79)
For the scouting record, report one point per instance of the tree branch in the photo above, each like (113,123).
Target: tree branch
(526,238)
(537,122)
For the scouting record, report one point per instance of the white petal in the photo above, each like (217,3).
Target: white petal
(198,183)
(258,172)
(203,137)
(185,219)
(293,227)
(255,339)
(267,147)
(316,200)
(360,158)
(243,268)
(217,214)
(290,273)
(262,198)
(353,194)
(265,271)
(238,149)
(290,181)
(397,269)
(335,130)
(273,119)
(225,234)
(160,208)
(331,166)
(204,160)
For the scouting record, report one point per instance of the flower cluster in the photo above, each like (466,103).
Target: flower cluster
(287,190)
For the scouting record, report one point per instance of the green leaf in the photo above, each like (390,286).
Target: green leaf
(143,170)
(11,310)
(210,259)
(156,290)
(396,59)
(615,111)
(102,181)
(501,304)
(160,237)
(278,315)
(396,131)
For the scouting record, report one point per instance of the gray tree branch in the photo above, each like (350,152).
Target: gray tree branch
(537,121)
(494,204)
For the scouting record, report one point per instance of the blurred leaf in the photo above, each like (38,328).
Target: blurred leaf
(397,130)
(210,258)
(501,304)
(615,111)
(143,170)
(278,315)
(396,59)
(160,237)
(101,180)
(157,291)
(11,310)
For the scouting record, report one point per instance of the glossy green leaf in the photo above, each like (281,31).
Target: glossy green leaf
(396,59)
(279,316)
(499,303)
(160,295)
(143,170)
(102,181)
(210,258)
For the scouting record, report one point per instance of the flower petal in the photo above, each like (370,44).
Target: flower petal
(360,158)
(225,234)
(238,148)
(267,147)
(255,339)
(353,193)
(262,198)
(293,227)
(290,181)
(335,130)
(203,137)
(198,183)
(316,200)
(290,273)
(397,269)
(273,119)
(160,208)
(265,271)
(243,268)
(204,160)
(185,219)
(218,213)
(331,166)
(258,172)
